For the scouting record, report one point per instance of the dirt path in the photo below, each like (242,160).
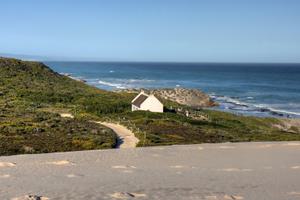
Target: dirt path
(126,137)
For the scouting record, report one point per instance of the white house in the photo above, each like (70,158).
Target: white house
(146,102)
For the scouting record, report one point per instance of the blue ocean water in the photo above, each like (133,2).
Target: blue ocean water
(251,89)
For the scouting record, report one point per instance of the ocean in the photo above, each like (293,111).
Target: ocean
(248,89)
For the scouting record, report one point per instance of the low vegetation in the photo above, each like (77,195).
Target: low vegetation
(32,96)
(39,132)
(171,128)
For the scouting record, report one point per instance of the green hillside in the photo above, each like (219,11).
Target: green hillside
(32,97)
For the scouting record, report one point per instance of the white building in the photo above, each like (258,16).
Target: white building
(146,102)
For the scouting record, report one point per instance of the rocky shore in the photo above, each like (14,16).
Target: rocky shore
(190,97)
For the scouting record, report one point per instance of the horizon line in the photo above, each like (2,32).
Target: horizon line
(47,59)
(175,62)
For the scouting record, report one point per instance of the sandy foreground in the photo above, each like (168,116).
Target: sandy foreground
(208,171)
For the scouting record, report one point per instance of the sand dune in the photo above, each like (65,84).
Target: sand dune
(206,171)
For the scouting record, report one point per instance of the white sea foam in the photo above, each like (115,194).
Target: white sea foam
(77,78)
(277,110)
(231,100)
(138,80)
(124,83)
(239,105)
(115,85)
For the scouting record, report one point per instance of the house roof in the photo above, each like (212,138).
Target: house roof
(138,101)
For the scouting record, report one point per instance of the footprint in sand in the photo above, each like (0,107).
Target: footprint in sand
(177,166)
(60,162)
(4,176)
(230,170)
(295,167)
(138,195)
(233,197)
(225,197)
(7,164)
(235,170)
(31,197)
(123,167)
(126,195)
(74,175)
(294,193)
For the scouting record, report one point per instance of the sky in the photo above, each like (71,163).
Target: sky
(152,30)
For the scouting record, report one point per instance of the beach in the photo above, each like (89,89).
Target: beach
(226,171)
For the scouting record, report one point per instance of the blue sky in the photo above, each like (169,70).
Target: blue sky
(153,30)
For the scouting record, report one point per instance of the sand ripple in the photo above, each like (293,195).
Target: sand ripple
(60,162)
(126,195)
(4,176)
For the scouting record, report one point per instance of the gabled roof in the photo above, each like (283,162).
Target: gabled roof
(139,100)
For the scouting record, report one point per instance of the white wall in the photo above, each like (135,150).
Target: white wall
(152,104)
(134,108)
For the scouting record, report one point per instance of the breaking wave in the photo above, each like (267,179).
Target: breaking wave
(235,104)
(122,83)
(115,85)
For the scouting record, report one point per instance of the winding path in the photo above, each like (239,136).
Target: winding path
(126,138)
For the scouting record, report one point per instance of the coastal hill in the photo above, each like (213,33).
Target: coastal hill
(33,98)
